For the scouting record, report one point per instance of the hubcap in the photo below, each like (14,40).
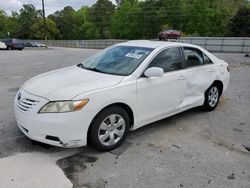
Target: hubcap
(213,96)
(111,130)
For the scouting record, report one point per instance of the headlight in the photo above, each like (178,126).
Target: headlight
(63,106)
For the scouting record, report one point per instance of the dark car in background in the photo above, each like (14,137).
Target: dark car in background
(169,34)
(14,44)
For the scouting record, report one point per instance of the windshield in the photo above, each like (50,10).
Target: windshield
(117,60)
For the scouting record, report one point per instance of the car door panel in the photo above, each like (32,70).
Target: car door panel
(199,79)
(159,96)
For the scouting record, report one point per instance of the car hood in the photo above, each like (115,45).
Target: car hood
(67,83)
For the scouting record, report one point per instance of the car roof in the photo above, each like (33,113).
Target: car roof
(155,44)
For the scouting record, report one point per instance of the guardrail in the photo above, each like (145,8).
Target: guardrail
(213,44)
(221,44)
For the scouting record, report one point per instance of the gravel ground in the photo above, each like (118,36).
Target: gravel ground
(191,149)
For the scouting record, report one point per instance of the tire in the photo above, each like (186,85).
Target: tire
(212,97)
(105,135)
(9,48)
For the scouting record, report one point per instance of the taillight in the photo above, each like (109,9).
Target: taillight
(228,68)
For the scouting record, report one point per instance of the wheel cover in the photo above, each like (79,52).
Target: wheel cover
(111,130)
(213,96)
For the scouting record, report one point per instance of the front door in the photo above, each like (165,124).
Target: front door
(157,97)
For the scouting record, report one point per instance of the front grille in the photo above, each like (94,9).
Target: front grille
(26,104)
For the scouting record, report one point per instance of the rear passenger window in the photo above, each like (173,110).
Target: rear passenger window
(207,60)
(193,56)
(168,60)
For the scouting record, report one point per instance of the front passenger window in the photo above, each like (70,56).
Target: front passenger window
(168,60)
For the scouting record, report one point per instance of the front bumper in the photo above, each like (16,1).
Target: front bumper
(58,129)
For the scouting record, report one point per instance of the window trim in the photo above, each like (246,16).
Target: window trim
(208,58)
(169,47)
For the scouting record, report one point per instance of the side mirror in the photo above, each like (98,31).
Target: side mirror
(154,72)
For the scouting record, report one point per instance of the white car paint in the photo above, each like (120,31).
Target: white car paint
(2,45)
(147,97)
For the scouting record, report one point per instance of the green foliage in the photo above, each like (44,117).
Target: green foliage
(27,16)
(131,19)
(50,27)
(7,25)
(151,18)
(83,29)
(100,14)
(239,25)
(124,21)
(65,20)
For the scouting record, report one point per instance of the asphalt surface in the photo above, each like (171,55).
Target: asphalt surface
(191,149)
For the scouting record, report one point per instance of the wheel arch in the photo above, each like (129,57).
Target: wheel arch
(126,107)
(219,83)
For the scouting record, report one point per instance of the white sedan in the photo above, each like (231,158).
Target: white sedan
(121,88)
(3,45)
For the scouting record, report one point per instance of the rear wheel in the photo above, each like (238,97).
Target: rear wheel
(109,128)
(212,96)
(8,48)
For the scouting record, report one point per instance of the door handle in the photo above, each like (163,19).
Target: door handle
(181,78)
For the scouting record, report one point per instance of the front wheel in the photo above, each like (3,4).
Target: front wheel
(109,128)
(212,96)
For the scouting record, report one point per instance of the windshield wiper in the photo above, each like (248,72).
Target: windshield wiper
(88,68)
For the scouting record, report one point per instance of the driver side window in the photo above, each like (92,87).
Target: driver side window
(168,60)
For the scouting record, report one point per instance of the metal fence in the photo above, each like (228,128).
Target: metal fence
(213,44)
(221,44)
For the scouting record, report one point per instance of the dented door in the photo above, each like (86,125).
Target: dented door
(198,80)
(200,72)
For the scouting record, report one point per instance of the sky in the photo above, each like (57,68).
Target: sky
(50,5)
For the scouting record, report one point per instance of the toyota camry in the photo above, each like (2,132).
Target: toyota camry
(121,88)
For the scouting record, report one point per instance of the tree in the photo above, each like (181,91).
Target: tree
(83,29)
(2,22)
(8,25)
(174,14)
(151,18)
(131,19)
(87,30)
(51,30)
(65,20)
(239,25)
(26,17)
(125,21)
(100,14)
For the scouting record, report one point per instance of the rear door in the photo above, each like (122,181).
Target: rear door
(200,72)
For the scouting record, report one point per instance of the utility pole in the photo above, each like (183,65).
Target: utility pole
(44,23)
